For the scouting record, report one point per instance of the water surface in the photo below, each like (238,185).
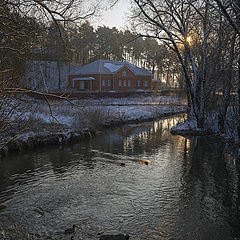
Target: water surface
(189,191)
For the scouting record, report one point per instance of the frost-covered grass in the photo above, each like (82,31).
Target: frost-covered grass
(34,117)
(143,100)
(92,113)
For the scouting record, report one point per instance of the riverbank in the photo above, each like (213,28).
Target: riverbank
(44,124)
(212,127)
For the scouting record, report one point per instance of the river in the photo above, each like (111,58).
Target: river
(188,191)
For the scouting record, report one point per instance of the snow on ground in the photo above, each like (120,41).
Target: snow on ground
(61,118)
(104,110)
(143,112)
(211,125)
(123,109)
(149,100)
(186,126)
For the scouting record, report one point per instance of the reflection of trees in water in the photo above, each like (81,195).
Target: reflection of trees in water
(149,140)
(153,137)
(210,183)
(134,139)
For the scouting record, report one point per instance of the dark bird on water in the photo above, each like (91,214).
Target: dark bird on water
(71,230)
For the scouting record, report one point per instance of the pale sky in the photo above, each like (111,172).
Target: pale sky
(116,16)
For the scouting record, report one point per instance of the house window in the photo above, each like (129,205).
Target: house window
(124,73)
(139,83)
(120,83)
(81,85)
(124,83)
(109,83)
(129,83)
(103,83)
(145,83)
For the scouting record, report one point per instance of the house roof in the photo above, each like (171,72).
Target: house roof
(83,78)
(110,67)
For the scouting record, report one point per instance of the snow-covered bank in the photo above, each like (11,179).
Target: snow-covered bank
(212,126)
(63,122)
(189,128)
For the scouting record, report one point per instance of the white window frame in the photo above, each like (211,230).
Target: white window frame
(145,83)
(103,83)
(124,73)
(125,83)
(109,83)
(139,83)
(129,83)
(120,83)
(81,85)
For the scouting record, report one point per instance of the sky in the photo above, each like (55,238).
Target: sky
(116,16)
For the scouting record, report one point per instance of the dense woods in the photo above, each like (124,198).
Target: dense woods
(84,44)
(36,37)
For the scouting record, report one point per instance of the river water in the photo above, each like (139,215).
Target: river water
(190,189)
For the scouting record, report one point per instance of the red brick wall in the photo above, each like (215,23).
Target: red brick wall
(155,85)
(136,82)
(106,78)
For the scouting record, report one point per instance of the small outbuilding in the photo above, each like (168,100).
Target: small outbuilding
(107,75)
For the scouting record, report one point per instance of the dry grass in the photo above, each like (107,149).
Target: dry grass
(91,117)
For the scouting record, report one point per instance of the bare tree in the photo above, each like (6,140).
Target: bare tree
(193,29)
(22,34)
(231,11)
(173,23)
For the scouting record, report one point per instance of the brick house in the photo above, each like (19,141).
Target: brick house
(106,75)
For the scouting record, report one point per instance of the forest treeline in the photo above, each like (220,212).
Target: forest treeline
(27,38)
(84,44)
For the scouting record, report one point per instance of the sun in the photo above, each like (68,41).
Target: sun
(189,39)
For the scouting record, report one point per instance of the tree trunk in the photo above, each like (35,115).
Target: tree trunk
(239,97)
(238,33)
(201,121)
(59,75)
(227,87)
